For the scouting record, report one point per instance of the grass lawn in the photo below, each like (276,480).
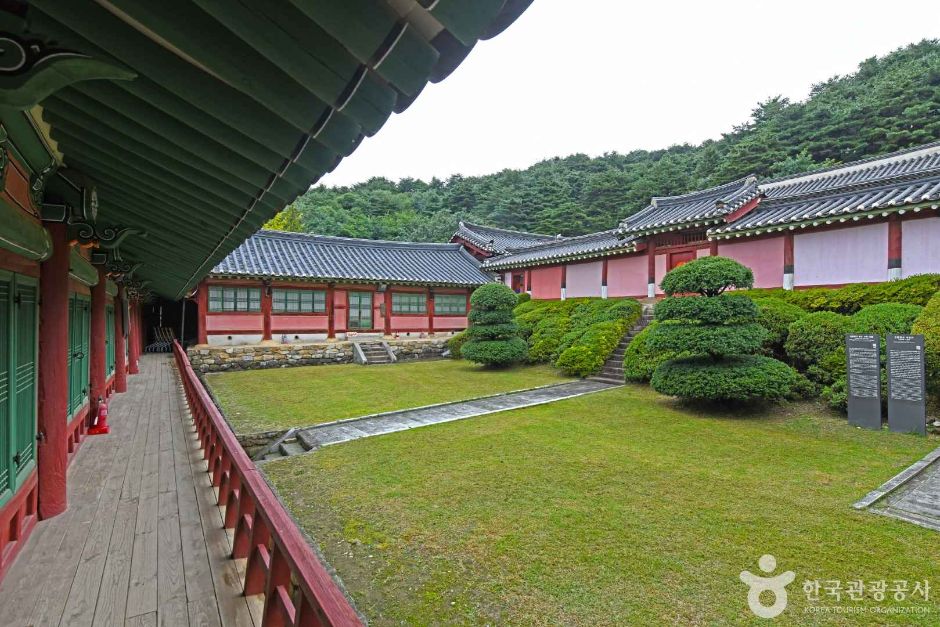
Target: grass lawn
(281,398)
(620,507)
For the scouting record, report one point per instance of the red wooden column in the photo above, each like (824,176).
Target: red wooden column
(202,313)
(430,307)
(713,248)
(97,344)
(651,266)
(53,393)
(564,282)
(788,280)
(120,359)
(388,311)
(604,278)
(528,282)
(894,247)
(133,339)
(330,322)
(266,311)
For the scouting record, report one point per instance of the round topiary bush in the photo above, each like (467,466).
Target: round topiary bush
(742,378)
(708,276)
(928,325)
(776,316)
(455,343)
(814,336)
(493,337)
(720,333)
(885,318)
(640,360)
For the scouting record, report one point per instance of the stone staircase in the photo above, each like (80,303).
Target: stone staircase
(375,353)
(612,372)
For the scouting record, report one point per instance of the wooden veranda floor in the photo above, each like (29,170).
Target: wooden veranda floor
(142,542)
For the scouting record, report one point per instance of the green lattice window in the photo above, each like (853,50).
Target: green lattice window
(409,303)
(298,301)
(227,299)
(79,355)
(450,304)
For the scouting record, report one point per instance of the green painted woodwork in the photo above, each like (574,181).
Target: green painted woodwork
(81,269)
(110,287)
(25,90)
(450,304)
(237,109)
(465,20)
(298,301)
(22,235)
(109,339)
(409,303)
(360,310)
(18,349)
(245,299)
(79,357)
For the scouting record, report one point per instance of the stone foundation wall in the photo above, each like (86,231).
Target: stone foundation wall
(273,355)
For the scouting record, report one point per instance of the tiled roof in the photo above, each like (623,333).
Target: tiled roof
(492,239)
(564,249)
(699,208)
(278,254)
(872,187)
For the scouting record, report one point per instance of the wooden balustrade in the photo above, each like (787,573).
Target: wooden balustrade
(281,564)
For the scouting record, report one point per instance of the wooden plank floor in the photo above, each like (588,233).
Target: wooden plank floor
(142,541)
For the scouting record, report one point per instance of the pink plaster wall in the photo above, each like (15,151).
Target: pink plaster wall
(282,322)
(764,257)
(339,309)
(661,261)
(857,254)
(920,246)
(626,276)
(703,252)
(450,323)
(584,279)
(234,322)
(402,323)
(546,282)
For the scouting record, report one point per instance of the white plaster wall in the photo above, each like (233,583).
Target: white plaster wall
(920,246)
(584,279)
(233,340)
(857,254)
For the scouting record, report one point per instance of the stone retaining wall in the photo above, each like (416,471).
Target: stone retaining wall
(274,355)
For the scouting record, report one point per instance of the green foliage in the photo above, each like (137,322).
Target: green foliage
(928,325)
(493,338)
(815,336)
(888,104)
(554,328)
(885,318)
(914,290)
(724,309)
(714,340)
(743,378)
(455,343)
(288,219)
(708,276)
(640,359)
(776,316)
(523,297)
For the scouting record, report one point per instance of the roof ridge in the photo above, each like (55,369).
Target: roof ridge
(737,184)
(356,241)
(561,240)
(470,225)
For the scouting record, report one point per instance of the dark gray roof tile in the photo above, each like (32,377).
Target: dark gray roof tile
(495,240)
(561,250)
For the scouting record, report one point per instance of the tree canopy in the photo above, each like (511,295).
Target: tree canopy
(889,103)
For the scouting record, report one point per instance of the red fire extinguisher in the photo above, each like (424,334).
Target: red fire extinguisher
(101,420)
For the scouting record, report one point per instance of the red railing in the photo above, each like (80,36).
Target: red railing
(281,564)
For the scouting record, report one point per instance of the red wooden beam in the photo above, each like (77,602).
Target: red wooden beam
(53,393)
(98,375)
(330,331)
(651,261)
(388,311)
(133,339)
(120,359)
(202,312)
(430,308)
(266,307)
(895,249)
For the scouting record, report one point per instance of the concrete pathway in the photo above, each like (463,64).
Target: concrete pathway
(311,438)
(913,495)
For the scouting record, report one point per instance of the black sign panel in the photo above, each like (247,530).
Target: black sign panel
(863,369)
(907,404)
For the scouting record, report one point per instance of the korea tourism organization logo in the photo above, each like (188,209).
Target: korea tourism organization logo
(767,594)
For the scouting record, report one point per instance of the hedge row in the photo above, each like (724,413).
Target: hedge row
(577,334)
(915,290)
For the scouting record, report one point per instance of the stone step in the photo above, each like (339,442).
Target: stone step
(291,447)
(603,379)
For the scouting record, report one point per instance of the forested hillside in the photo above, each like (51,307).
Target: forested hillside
(889,103)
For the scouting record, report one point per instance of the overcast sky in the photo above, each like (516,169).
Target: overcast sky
(596,76)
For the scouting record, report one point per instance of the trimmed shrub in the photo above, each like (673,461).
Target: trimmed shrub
(928,325)
(716,340)
(743,378)
(776,316)
(814,336)
(495,342)
(720,333)
(455,343)
(523,297)
(885,318)
(591,351)
(708,276)
(914,290)
(640,360)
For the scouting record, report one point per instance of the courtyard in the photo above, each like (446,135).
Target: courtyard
(621,507)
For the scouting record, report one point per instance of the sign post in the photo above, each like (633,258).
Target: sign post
(863,371)
(907,381)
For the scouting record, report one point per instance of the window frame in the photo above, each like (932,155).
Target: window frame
(232,294)
(463,302)
(399,310)
(317,301)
